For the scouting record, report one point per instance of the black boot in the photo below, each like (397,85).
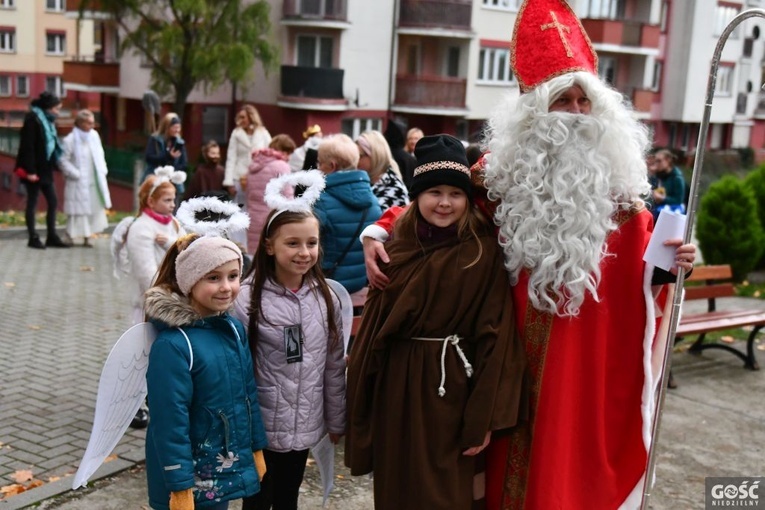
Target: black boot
(55,241)
(34,242)
(141,419)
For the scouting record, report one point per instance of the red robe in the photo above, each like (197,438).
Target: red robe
(592,394)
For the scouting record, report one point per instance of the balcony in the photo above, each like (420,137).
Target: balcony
(91,76)
(430,91)
(629,33)
(642,99)
(444,14)
(90,9)
(318,88)
(315,12)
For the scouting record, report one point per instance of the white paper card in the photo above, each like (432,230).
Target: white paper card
(670,225)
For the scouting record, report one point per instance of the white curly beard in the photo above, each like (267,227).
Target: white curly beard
(560,178)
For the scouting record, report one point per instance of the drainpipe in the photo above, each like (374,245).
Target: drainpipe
(393,50)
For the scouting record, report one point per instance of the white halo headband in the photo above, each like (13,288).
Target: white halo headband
(314,182)
(167,174)
(212,216)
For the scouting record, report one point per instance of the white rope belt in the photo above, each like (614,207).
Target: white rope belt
(453,340)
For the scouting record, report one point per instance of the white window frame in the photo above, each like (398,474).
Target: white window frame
(724,83)
(317,52)
(502,5)
(6,85)
(723,15)
(57,89)
(361,124)
(7,4)
(59,43)
(55,5)
(490,65)
(22,91)
(7,41)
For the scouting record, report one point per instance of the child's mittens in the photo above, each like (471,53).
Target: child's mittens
(260,463)
(182,500)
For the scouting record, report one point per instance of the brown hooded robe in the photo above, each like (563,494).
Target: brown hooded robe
(399,427)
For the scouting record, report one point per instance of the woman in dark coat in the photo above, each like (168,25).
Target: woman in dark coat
(39,150)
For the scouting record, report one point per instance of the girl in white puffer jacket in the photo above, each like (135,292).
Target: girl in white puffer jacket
(294,326)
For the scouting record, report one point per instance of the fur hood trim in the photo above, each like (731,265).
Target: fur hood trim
(173,309)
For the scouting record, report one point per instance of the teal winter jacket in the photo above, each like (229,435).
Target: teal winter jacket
(205,418)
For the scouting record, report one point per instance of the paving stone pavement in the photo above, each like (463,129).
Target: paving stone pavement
(62,310)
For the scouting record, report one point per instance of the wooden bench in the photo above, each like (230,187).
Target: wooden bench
(717,285)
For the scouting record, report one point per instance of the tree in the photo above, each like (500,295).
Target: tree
(192,43)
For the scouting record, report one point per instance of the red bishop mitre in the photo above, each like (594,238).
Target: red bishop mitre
(548,41)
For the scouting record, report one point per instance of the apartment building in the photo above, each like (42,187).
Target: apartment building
(36,37)
(442,65)
(690,32)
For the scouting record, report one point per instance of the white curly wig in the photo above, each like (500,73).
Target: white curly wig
(560,178)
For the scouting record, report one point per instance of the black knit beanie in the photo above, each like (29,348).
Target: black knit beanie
(441,159)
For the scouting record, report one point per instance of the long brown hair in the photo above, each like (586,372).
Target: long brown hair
(166,277)
(472,224)
(264,268)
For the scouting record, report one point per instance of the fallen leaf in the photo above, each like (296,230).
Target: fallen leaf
(110,458)
(340,477)
(761,347)
(34,327)
(727,339)
(34,483)
(756,293)
(10,285)
(85,269)
(53,479)
(22,475)
(310,462)
(12,490)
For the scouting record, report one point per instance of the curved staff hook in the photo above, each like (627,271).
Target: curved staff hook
(677,299)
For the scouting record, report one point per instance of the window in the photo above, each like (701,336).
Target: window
(724,83)
(607,70)
(453,62)
(505,5)
(723,16)
(53,85)
(55,5)
(354,127)
(5,85)
(314,51)
(7,40)
(22,86)
(494,65)
(214,124)
(7,4)
(55,43)
(656,80)
(663,17)
(605,9)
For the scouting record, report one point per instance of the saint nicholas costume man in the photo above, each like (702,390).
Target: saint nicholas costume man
(567,189)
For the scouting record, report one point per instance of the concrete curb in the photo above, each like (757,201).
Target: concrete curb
(63,485)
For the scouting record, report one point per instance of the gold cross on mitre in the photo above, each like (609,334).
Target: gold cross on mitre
(560,28)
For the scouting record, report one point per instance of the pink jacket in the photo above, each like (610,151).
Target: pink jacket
(266,164)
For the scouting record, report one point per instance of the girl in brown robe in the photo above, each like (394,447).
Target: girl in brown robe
(437,365)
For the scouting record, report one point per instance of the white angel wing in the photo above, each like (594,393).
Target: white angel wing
(121,391)
(118,249)
(324,454)
(346,310)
